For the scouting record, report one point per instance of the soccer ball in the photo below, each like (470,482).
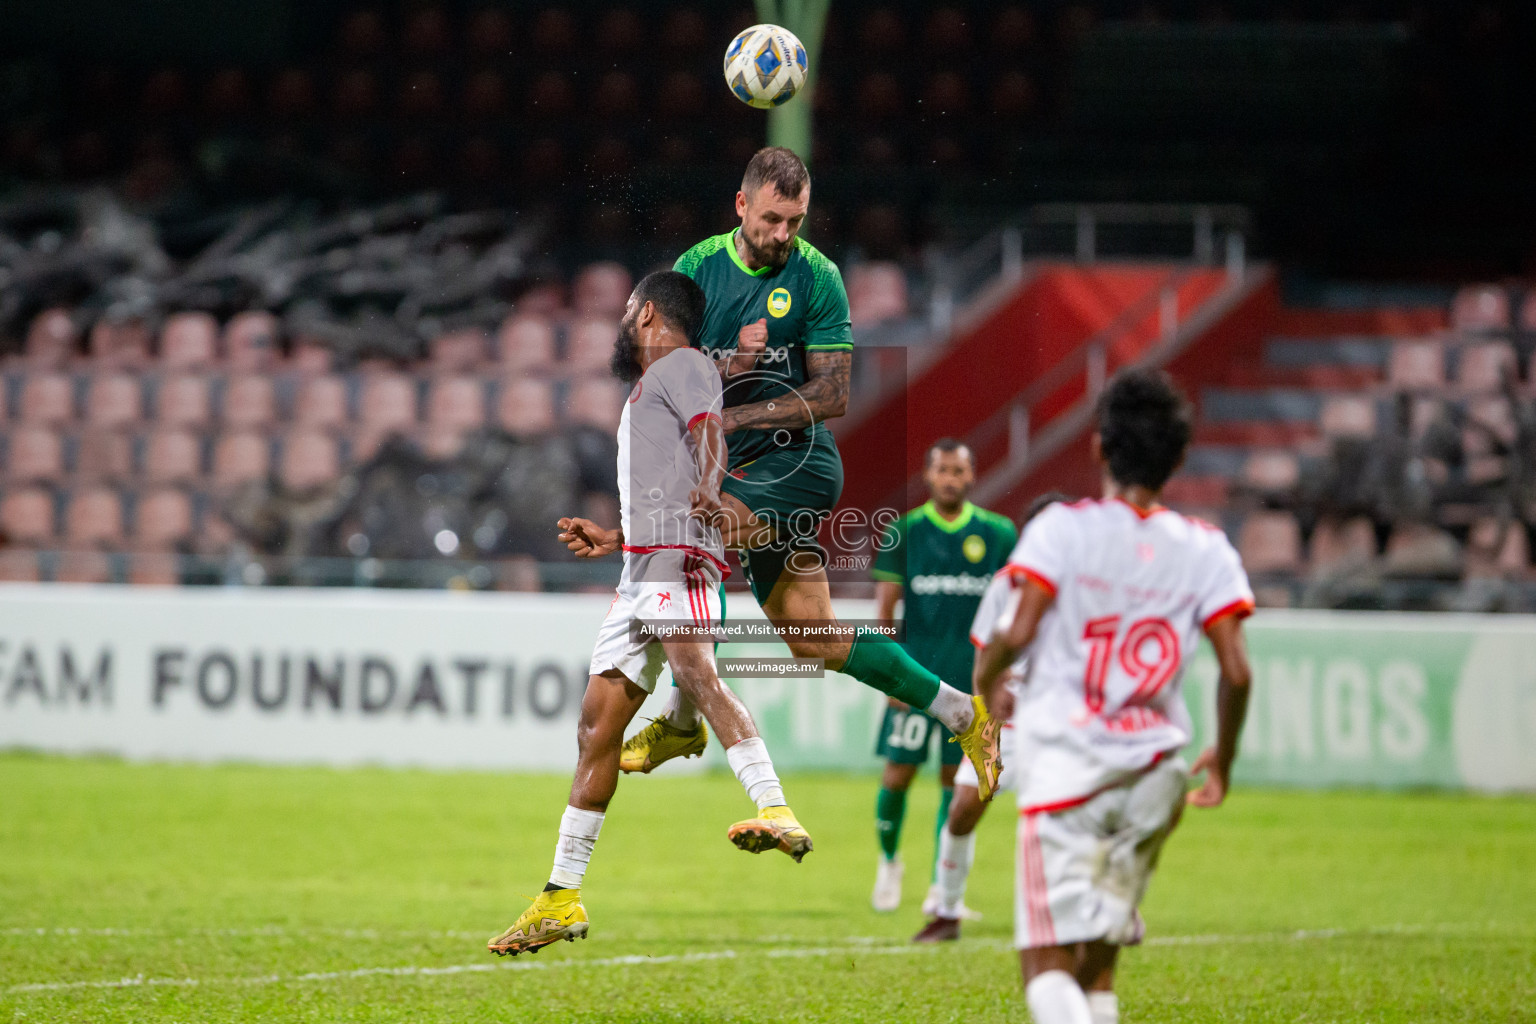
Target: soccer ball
(765,66)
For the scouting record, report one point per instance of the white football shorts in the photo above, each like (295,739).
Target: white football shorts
(661,587)
(1082,870)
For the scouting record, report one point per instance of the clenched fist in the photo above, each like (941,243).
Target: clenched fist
(750,343)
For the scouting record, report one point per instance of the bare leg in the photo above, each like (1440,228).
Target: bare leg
(965,811)
(898,777)
(697,681)
(609,704)
(1051,987)
(1096,966)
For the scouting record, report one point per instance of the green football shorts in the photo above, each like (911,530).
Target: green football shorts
(793,488)
(906,736)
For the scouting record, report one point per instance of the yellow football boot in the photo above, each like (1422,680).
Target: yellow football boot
(981,744)
(775,828)
(661,741)
(551,917)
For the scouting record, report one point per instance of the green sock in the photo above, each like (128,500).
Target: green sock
(946,794)
(878,661)
(890,808)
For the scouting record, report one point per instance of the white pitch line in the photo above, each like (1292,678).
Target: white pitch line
(860,946)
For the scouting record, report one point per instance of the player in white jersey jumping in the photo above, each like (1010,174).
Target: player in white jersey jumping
(667,608)
(1115,595)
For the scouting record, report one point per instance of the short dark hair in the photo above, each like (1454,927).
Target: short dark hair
(779,167)
(1144,427)
(946,445)
(678,299)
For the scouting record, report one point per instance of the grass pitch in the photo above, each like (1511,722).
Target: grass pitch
(185,893)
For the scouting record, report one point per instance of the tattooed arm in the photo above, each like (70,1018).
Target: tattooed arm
(823,396)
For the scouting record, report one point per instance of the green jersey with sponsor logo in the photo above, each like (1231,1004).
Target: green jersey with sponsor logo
(943,568)
(807,311)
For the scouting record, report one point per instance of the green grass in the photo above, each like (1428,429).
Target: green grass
(245,879)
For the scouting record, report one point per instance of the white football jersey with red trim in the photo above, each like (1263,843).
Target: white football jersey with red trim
(1133,592)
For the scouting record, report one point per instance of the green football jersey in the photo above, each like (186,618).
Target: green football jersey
(806,307)
(943,568)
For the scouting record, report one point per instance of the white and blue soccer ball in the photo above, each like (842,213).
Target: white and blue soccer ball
(765,66)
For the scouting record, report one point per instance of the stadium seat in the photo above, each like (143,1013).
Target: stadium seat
(948,32)
(47,399)
(163,520)
(119,344)
(526,407)
(172,456)
(228,94)
(1348,416)
(1480,308)
(51,340)
(27,516)
(291,94)
(310,355)
(602,290)
(490,33)
(589,345)
(1013,95)
(94,519)
(387,402)
(1270,542)
(1336,545)
(240,458)
(877,291)
(1495,414)
(685,30)
(362,34)
(551,96)
(34,455)
(1422,551)
(421,95)
(183,401)
(189,341)
(879,97)
(1496,549)
(485,95)
(1481,368)
(881,31)
(82,567)
(946,93)
(321,403)
(457,403)
(596,402)
(113,400)
(251,342)
(1528,312)
(457,351)
(18,565)
(153,569)
(426,34)
(1013,31)
(616,96)
(250,402)
(545,299)
(440,442)
(1416,365)
(103,454)
(680,98)
(355,94)
(1276,472)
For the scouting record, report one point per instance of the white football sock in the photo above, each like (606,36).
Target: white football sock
(754,768)
(680,713)
(953,708)
(1105,1007)
(956,853)
(578,834)
(1055,998)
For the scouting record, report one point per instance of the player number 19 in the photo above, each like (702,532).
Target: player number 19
(1144,637)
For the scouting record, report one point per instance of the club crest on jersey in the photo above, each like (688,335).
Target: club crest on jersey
(974,548)
(778,302)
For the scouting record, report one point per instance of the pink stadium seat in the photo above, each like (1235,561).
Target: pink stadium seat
(1336,544)
(164,520)
(1270,542)
(1494,549)
(545,300)
(440,442)
(36,455)
(601,290)
(596,402)
(485,94)
(490,32)
(47,399)
(311,355)
(122,344)
(172,456)
(51,340)
(94,519)
(877,291)
(1276,471)
(240,458)
(1348,416)
(1481,368)
(82,567)
(948,31)
(189,341)
(183,401)
(113,400)
(250,402)
(251,342)
(458,351)
(426,33)
(103,454)
(946,92)
(27,516)
(18,565)
(589,346)
(153,569)
(526,344)
(1528,311)
(1482,307)
(321,403)
(310,460)
(1416,365)
(457,403)
(387,402)
(526,407)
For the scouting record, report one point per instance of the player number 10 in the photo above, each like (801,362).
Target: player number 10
(1142,638)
